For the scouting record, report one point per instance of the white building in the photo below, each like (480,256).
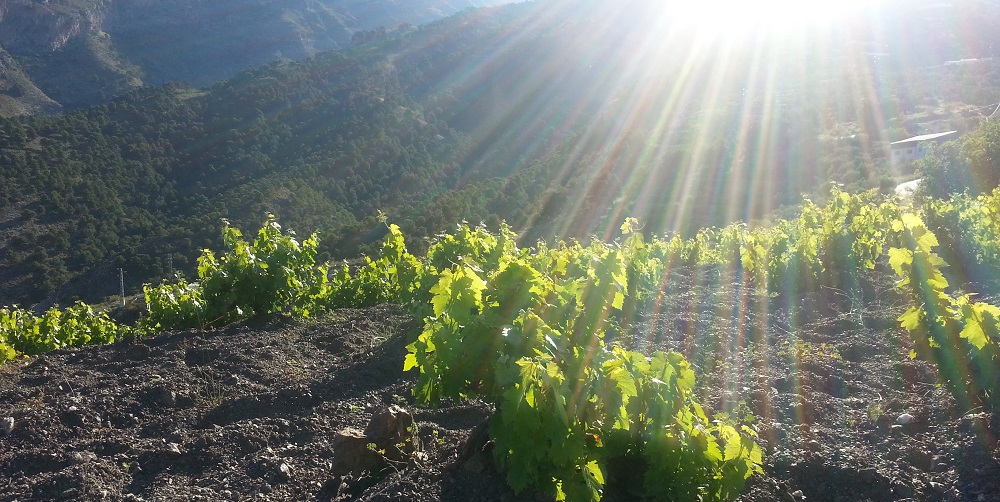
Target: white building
(906,151)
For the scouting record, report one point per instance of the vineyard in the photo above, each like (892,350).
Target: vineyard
(551,336)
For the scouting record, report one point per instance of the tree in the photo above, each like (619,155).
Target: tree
(944,170)
(982,152)
(971,164)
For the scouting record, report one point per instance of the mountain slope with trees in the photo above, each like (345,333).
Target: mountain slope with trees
(67,54)
(548,114)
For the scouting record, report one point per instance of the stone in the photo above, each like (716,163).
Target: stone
(163,396)
(392,430)
(351,453)
(389,437)
(475,464)
(284,471)
(83,457)
(919,459)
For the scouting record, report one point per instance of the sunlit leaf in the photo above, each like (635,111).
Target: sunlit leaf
(899,259)
(911,319)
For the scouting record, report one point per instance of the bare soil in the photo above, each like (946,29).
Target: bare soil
(259,410)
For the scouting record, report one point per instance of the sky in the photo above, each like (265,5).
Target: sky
(738,17)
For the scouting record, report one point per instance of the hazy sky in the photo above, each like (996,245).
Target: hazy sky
(734,16)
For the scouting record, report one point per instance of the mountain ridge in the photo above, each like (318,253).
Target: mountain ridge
(82,52)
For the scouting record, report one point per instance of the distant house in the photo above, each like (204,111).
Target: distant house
(905,152)
(960,62)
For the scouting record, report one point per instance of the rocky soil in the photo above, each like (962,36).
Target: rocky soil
(279,409)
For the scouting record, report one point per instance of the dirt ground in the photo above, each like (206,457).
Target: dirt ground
(281,409)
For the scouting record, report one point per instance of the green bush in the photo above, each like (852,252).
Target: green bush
(273,273)
(23,332)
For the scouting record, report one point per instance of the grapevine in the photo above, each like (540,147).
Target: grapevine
(535,330)
(24,332)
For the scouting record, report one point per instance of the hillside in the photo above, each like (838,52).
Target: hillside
(20,95)
(835,356)
(67,54)
(467,118)
(553,250)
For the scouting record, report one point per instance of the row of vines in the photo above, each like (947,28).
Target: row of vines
(533,330)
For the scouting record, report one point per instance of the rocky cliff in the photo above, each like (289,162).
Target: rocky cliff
(65,54)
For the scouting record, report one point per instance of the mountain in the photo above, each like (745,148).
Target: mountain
(66,54)
(18,94)
(562,117)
